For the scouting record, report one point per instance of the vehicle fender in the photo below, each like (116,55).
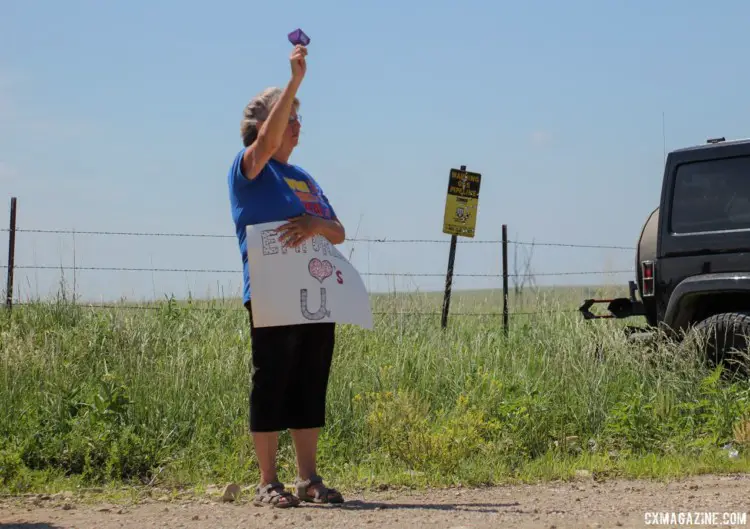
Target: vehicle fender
(692,288)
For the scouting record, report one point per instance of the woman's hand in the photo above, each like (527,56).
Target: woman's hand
(297,230)
(298,63)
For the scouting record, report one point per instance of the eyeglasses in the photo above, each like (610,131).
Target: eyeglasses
(297,118)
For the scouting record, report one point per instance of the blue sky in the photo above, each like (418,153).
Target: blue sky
(125,116)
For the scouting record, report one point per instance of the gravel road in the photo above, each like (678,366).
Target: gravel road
(580,504)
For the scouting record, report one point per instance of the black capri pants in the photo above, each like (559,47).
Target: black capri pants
(290,369)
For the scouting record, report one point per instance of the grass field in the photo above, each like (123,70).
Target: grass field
(160,397)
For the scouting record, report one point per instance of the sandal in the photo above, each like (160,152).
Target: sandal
(275,495)
(321,494)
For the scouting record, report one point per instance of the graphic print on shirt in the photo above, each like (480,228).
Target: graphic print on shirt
(311,200)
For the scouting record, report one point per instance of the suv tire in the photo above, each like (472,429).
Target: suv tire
(725,338)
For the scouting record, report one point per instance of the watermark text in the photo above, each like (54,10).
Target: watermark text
(695,518)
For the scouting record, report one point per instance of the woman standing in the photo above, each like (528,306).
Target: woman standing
(291,363)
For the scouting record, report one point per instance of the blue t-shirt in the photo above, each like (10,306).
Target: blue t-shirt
(279,192)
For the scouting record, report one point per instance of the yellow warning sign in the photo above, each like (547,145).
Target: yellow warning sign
(461,203)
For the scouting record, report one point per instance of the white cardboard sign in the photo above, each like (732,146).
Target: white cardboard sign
(309,284)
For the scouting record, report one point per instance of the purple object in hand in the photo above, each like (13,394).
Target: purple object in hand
(298,37)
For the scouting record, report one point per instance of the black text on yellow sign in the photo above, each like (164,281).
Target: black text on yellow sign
(461,203)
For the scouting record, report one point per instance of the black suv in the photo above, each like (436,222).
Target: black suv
(693,257)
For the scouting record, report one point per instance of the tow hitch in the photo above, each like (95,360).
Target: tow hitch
(617,307)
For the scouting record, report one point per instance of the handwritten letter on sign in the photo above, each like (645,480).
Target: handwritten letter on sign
(308,284)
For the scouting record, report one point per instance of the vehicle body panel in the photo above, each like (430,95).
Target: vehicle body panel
(698,239)
(683,249)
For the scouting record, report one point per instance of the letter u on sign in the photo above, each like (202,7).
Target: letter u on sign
(315,284)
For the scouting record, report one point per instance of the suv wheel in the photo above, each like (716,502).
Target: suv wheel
(724,339)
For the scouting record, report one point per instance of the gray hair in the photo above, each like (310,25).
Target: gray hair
(257,110)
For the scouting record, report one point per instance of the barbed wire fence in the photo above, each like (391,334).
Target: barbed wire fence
(520,278)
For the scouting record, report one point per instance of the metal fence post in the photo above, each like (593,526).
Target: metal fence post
(505,279)
(11,254)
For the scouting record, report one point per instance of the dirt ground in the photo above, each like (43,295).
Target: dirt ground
(580,504)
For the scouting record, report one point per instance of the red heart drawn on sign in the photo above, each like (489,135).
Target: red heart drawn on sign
(320,270)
